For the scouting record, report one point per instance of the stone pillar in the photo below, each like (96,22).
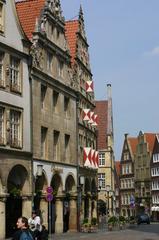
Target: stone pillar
(82,211)
(59,216)
(94,211)
(73,215)
(90,210)
(26,207)
(44,211)
(3,218)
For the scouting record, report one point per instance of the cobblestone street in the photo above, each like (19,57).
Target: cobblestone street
(142,232)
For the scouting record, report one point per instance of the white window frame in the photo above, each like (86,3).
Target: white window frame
(15,78)
(101,159)
(15,128)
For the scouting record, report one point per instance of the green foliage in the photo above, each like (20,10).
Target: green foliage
(94,221)
(122,219)
(113,220)
(85,220)
(15,192)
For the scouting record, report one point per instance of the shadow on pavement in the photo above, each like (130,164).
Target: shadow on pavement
(150,228)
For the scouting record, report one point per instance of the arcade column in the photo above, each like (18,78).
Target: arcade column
(26,206)
(59,215)
(73,215)
(2,217)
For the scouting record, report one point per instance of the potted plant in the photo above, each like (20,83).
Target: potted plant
(112,221)
(121,222)
(85,225)
(94,224)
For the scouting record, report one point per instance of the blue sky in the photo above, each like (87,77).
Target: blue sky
(123,37)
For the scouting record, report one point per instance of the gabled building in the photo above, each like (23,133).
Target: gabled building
(105,146)
(143,155)
(54,139)
(82,82)
(127,189)
(154,170)
(15,122)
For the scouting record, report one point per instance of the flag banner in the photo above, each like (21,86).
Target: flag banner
(93,158)
(89,86)
(86,114)
(95,118)
(91,118)
(87,157)
(96,159)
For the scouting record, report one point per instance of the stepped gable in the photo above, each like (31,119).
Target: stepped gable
(71,29)
(101,110)
(28,12)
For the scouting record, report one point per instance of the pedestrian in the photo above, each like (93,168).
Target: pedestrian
(44,233)
(23,232)
(35,225)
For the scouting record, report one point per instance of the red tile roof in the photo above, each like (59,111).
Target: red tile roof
(117,166)
(71,29)
(133,143)
(101,110)
(28,11)
(150,139)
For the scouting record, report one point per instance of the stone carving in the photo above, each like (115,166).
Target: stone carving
(55,7)
(37,55)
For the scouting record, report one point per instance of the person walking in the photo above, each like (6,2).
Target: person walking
(23,232)
(35,225)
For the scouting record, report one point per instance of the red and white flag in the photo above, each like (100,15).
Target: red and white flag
(95,118)
(93,158)
(91,118)
(89,86)
(87,157)
(86,114)
(96,159)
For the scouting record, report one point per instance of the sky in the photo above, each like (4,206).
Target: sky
(123,38)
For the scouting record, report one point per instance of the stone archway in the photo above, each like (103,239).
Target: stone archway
(69,205)
(57,204)
(17,185)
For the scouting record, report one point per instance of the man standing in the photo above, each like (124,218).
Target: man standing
(35,225)
(23,230)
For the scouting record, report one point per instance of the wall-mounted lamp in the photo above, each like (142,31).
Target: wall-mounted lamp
(81,180)
(39,172)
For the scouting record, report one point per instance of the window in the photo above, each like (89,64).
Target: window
(15,129)
(66,105)
(101,178)
(43,94)
(2,81)
(67,145)
(55,101)
(126,156)
(15,82)
(1,126)
(56,146)
(60,68)
(1,17)
(43,142)
(156,157)
(101,159)
(49,61)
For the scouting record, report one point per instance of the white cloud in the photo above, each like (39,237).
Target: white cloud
(153,52)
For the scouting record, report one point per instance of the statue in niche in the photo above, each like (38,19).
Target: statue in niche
(37,55)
